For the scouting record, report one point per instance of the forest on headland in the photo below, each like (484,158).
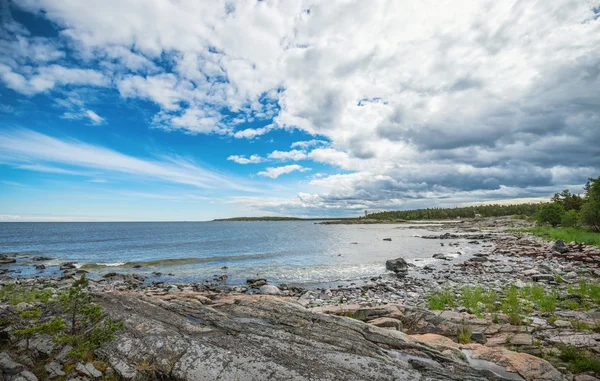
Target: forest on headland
(565,209)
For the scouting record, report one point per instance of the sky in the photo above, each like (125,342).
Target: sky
(120,110)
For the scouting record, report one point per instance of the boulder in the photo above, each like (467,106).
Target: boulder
(397,265)
(54,370)
(559,246)
(268,289)
(4,260)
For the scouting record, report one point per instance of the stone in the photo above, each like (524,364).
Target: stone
(268,289)
(440,256)
(531,368)
(543,277)
(478,337)
(54,369)
(387,239)
(250,333)
(6,260)
(562,324)
(256,283)
(585,377)
(386,322)
(8,366)
(397,265)
(88,370)
(41,258)
(530,272)
(559,246)
(40,267)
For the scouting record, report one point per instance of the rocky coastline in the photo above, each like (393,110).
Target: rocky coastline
(382,329)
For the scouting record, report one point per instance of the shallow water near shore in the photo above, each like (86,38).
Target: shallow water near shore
(292,252)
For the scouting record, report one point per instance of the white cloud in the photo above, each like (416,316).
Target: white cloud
(47,77)
(22,146)
(294,155)
(423,99)
(275,172)
(94,118)
(251,133)
(253,159)
(305,144)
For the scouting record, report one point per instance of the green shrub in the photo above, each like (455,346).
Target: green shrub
(569,219)
(550,213)
(580,360)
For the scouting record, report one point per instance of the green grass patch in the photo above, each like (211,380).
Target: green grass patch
(440,299)
(566,234)
(579,360)
(15,294)
(464,334)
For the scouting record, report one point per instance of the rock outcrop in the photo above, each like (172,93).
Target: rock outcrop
(261,337)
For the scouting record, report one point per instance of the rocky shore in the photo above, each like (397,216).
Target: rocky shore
(382,329)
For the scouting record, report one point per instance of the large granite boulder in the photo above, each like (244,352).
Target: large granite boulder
(398,265)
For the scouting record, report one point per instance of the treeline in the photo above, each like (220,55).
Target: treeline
(573,210)
(462,212)
(565,209)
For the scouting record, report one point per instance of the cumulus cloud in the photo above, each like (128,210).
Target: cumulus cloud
(240,159)
(293,155)
(275,172)
(423,101)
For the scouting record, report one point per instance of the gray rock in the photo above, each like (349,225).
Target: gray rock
(88,370)
(559,246)
(8,366)
(256,338)
(543,277)
(268,289)
(397,265)
(54,370)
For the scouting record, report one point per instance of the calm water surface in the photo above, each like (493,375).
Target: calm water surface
(292,252)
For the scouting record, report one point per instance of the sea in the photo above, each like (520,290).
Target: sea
(296,253)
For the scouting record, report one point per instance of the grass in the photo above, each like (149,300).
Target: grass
(475,297)
(516,302)
(464,334)
(566,234)
(579,360)
(439,300)
(15,294)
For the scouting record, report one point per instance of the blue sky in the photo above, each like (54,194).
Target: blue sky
(128,110)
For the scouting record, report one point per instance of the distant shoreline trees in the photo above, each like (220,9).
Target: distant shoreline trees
(565,209)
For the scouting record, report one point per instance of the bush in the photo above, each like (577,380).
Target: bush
(86,329)
(589,215)
(569,219)
(550,214)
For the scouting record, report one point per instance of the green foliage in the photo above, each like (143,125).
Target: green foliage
(566,234)
(15,294)
(473,297)
(439,300)
(464,333)
(568,201)
(550,214)
(589,215)
(88,329)
(580,360)
(545,300)
(453,213)
(569,219)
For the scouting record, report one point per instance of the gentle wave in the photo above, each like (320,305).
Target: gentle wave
(177,261)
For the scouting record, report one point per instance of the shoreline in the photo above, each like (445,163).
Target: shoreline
(400,303)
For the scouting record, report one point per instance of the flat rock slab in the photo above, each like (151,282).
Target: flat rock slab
(260,338)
